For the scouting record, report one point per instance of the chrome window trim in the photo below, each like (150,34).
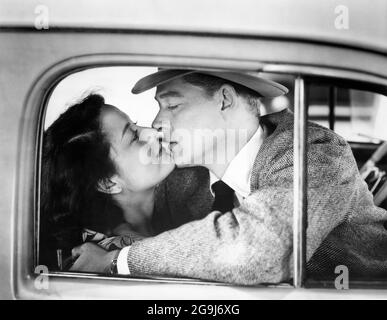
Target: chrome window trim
(152,279)
(299,180)
(321,71)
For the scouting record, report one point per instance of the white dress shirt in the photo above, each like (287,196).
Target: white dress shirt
(237,176)
(238,173)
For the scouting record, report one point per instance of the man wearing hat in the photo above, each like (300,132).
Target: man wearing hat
(229,215)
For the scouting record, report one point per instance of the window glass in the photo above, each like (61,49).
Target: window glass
(347,229)
(368,112)
(318,108)
(356,115)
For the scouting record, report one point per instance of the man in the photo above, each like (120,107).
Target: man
(233,215)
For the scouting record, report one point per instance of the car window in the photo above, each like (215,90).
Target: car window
(64,147)
(351,113)
(356,115)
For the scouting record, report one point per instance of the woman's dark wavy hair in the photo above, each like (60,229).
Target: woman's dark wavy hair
(75,158)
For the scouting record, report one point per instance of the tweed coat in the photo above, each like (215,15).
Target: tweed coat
(252,244)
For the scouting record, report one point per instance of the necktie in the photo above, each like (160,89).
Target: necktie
(224,197)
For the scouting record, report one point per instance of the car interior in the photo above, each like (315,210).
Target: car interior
(353,110)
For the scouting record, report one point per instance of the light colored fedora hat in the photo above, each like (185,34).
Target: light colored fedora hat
(264,87)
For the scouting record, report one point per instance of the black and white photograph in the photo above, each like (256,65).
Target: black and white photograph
(193,150)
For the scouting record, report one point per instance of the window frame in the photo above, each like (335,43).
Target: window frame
(25,255)
(299,183)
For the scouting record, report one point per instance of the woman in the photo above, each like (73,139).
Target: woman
(99,174)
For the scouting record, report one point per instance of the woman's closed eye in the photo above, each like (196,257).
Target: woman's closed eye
(135,135)
(133,130)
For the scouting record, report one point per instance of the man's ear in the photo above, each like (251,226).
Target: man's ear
(109,186)
(228,96)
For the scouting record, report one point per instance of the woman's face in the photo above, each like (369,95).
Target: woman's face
(140,160)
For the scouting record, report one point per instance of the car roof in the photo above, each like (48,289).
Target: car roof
(298,19)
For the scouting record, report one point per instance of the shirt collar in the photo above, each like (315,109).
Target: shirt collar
(238,172)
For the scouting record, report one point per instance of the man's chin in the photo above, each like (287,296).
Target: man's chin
(188,161)
(183,163)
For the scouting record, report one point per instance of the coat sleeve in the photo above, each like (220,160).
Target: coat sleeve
(252,244)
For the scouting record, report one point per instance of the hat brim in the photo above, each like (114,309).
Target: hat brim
(264,87)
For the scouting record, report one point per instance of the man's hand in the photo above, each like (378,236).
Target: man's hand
(92,258)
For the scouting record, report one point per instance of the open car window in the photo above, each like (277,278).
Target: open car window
(351,114)
(99,222)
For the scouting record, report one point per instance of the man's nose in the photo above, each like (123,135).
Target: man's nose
(161,120)
(162,124)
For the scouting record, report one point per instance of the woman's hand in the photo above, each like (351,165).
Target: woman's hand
(92,258)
